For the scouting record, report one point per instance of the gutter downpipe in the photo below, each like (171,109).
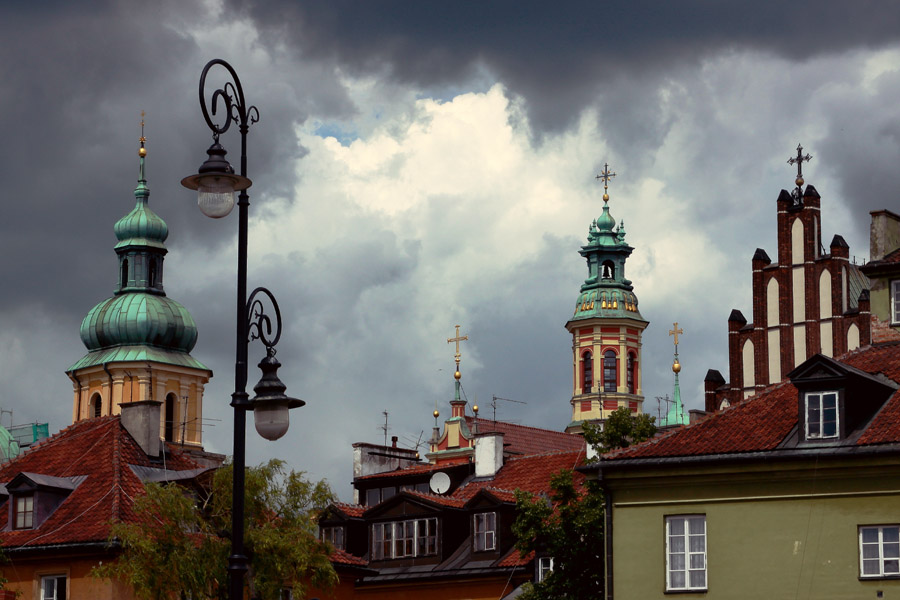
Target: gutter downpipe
(108,374)
(608,535)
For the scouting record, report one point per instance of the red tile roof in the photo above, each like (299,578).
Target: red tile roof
(343,557)
(527,473)
(101,450)
(515,559)
(762,422)
(449,501)
(350,510)
(522,439)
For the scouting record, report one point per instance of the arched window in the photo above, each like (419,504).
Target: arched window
(152,282)
(610,374)
(587,372)
(609,270)
(631,372)
(96,405)
(169,426)
(124,272)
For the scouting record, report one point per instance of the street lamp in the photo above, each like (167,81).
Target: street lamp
(216,184)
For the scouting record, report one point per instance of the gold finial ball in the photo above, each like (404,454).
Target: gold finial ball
(799,181)
(142,152)
(676,367)
(436,414)
(457,376)
(606,197)
(475,409)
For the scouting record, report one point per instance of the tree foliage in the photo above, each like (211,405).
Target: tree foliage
(568,525)
(180,547)
(621,430)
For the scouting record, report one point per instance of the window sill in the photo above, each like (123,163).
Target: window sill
(693,591)
(878,577)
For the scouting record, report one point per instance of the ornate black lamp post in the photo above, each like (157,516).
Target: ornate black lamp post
(216,184)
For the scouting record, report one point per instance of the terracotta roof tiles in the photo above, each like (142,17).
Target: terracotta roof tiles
(527,473)
(100,450)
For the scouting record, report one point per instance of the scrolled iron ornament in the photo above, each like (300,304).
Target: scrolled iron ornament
(232,94)
(259,324)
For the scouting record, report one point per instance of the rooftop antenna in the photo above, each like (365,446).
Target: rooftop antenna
(494,403)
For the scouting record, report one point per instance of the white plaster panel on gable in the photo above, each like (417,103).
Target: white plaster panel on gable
(799,344)
(825,295)
(749,369)
(852,337)
(827,342)
(799,293)
(844,290)
(774,341)
(797,242)
(772,318)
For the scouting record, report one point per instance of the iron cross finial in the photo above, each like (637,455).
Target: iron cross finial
(676,332)
(457,339)
(606,175)
(799,160)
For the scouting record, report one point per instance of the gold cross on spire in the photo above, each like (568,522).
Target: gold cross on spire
(605,175)
(676,332)
(142,139)
(457,339)
(799,160)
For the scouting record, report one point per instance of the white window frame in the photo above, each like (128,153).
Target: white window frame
(54,580)
(885,554)
(895,302)
(404,539)
(686,553)
(816,401)
(545,567)
(484,537)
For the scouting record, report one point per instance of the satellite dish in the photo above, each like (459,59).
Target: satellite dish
(440,483)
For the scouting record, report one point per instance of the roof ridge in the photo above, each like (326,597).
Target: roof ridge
(547,453)
(469,417)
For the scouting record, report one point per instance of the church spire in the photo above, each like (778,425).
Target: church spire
(675,414)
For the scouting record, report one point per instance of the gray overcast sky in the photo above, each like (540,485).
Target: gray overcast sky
(419,165)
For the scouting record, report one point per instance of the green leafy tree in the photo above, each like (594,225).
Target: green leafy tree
(621,430)
(568,525)
(180,547)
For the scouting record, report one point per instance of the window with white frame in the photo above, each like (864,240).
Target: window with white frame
(879,551)
(895,301)
(53,587)
(333,535)
(545,567)
(686,552)
(822,420)
(485,531)
(403,539)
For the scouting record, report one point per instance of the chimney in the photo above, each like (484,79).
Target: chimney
(884,234)
(394,441)
(488,453)
(141,421)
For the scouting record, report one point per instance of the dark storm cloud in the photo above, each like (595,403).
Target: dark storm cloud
(560,57)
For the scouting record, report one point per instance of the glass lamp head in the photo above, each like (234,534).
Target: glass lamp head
(216,183)
(270,406)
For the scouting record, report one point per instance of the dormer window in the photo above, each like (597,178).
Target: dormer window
(485,531)
(822,421)
(333,535)
(24,517)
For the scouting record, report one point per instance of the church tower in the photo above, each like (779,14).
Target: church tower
(606,327)
(139,341)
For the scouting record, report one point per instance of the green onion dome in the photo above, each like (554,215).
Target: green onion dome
(138,319)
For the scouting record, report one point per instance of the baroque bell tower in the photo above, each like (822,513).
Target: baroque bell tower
(606,327)
(139,341)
